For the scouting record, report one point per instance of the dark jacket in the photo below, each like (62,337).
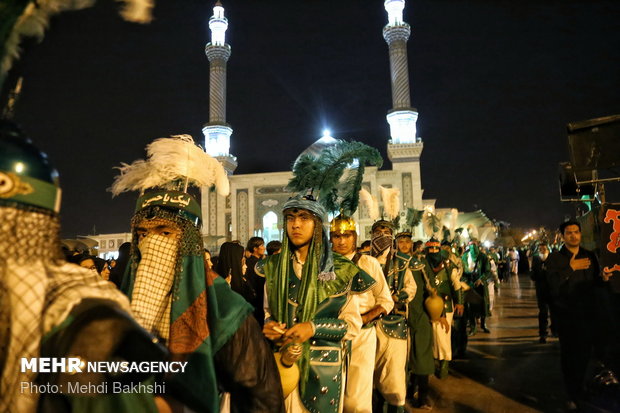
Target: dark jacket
(538,272)
(573,291)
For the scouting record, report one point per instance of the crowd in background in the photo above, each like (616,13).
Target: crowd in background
(236,263)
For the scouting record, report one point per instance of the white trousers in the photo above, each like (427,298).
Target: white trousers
(390,368)
(442,345)
(293,404)
(358,393)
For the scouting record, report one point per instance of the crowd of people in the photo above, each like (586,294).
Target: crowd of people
(309,323)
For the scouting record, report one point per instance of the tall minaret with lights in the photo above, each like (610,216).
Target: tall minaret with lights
(217,132)
(404,148)
(215,208)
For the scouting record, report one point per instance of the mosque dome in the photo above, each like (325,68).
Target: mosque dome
(319,145)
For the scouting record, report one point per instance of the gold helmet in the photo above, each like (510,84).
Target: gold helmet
(342,224)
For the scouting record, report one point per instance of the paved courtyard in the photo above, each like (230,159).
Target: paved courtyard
(506,370)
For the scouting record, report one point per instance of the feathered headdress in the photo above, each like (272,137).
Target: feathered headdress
(414,217)
(371,203)
(452,225)
(321,175)
(391,201)
(172,163)
(432,224)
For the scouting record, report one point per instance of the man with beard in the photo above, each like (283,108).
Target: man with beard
(309,309)
(50,308)
(445,278)
(176,297)
(374,302)
(391,360)
(580,302)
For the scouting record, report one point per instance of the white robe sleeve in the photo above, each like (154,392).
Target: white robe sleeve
(350,313)
(410,286)
(266,308)
(380,290)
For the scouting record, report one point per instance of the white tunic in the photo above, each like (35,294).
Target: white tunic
(358,393)
(391,358)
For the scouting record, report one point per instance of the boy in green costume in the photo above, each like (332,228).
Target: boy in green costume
(309,290)
(309,303)
(421,364)
(445,277)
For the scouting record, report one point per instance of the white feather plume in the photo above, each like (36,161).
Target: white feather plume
(440,216)
(472,230)
(427,224)
(391,201)
(371,204)
(454,213)
(432,224)
(169,161)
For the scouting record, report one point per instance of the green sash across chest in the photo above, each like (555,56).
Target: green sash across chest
(321,387)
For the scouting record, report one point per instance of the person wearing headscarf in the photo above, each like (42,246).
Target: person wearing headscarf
(99,265)
(392,330)
(375,301)
(309,306)
(117,272)
(231,263)
(445,278)
(49,307)
(177,298)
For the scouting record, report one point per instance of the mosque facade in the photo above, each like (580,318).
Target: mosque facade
(255,203)
(254,206)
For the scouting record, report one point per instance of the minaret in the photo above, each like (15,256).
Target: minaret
(404,148)
(402,118)
(216,211)
(217,132)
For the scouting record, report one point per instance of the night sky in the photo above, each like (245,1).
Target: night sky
(494,82)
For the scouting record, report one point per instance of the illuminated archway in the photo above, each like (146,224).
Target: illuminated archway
(270,227)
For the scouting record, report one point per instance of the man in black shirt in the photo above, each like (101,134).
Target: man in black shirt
(256,248)
(576,286)
(543,297)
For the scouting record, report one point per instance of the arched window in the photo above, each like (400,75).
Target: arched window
(270,227)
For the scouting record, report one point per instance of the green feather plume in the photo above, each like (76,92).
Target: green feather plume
(322,174)
(414,217)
